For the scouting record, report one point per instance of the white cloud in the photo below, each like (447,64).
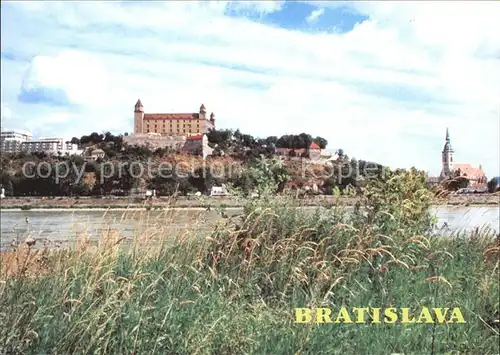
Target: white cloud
(384,91)
(315,15)
(262,7)
(79,75)
(6,112)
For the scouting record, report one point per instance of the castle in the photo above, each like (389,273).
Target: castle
(182,131)
(450,169)
(172,124)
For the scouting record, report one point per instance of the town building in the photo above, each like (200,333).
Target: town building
(93,154)
(11,139)
(197,145)
(51,145)
(312,153)
(172,124)
(452,169)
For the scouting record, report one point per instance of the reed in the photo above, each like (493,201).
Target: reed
(233,290)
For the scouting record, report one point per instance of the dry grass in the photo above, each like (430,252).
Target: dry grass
(233,292)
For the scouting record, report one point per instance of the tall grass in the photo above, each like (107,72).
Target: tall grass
(234,292)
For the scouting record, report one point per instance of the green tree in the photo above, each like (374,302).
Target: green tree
(322,142)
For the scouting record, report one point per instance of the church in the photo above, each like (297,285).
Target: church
(451,169)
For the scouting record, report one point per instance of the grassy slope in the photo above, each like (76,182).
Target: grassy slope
(234,293)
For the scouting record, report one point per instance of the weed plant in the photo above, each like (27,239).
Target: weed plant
(235,290)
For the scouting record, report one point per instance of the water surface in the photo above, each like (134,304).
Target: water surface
(64,226)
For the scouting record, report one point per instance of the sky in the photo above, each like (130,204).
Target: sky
(381,81)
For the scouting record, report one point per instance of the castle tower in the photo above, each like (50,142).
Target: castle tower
(212,119)
(203,112)
(447,157)
(138,117)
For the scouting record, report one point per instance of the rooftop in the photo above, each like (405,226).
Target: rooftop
(171,116)
(469,170)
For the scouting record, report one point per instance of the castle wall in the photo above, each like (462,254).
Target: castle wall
(155,141)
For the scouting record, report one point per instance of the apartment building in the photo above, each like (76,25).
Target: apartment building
(11,140)
(51,145)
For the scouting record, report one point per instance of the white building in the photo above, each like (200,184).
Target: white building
(219,191)
(92,154)
(51,145)
(11,139)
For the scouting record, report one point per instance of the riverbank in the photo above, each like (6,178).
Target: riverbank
(126,203)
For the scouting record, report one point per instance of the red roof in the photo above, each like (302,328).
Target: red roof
(469,171)
(314,146)
(195,137)
(171,116)
(478,186)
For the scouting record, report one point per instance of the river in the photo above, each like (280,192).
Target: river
(62,226)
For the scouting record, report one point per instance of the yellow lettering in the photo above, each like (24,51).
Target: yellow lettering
(441,318)
(323,315)
(425,316)
(390,315)
(376,315)
(456,314)
(405,319)
(360,314)
(303,315)
(344,315)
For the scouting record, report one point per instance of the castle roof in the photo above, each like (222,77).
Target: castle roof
(171,116)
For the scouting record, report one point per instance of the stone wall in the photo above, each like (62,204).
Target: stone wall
(156,141)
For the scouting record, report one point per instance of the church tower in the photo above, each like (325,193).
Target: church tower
(447,157)
(138,117)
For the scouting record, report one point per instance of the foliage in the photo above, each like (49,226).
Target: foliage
(241,147)
(234,292)
(265,177)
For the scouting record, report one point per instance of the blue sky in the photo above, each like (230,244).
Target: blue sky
(380,80)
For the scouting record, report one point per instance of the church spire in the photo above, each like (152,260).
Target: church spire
(447,157)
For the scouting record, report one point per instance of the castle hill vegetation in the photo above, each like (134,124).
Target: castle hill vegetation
(243,163)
